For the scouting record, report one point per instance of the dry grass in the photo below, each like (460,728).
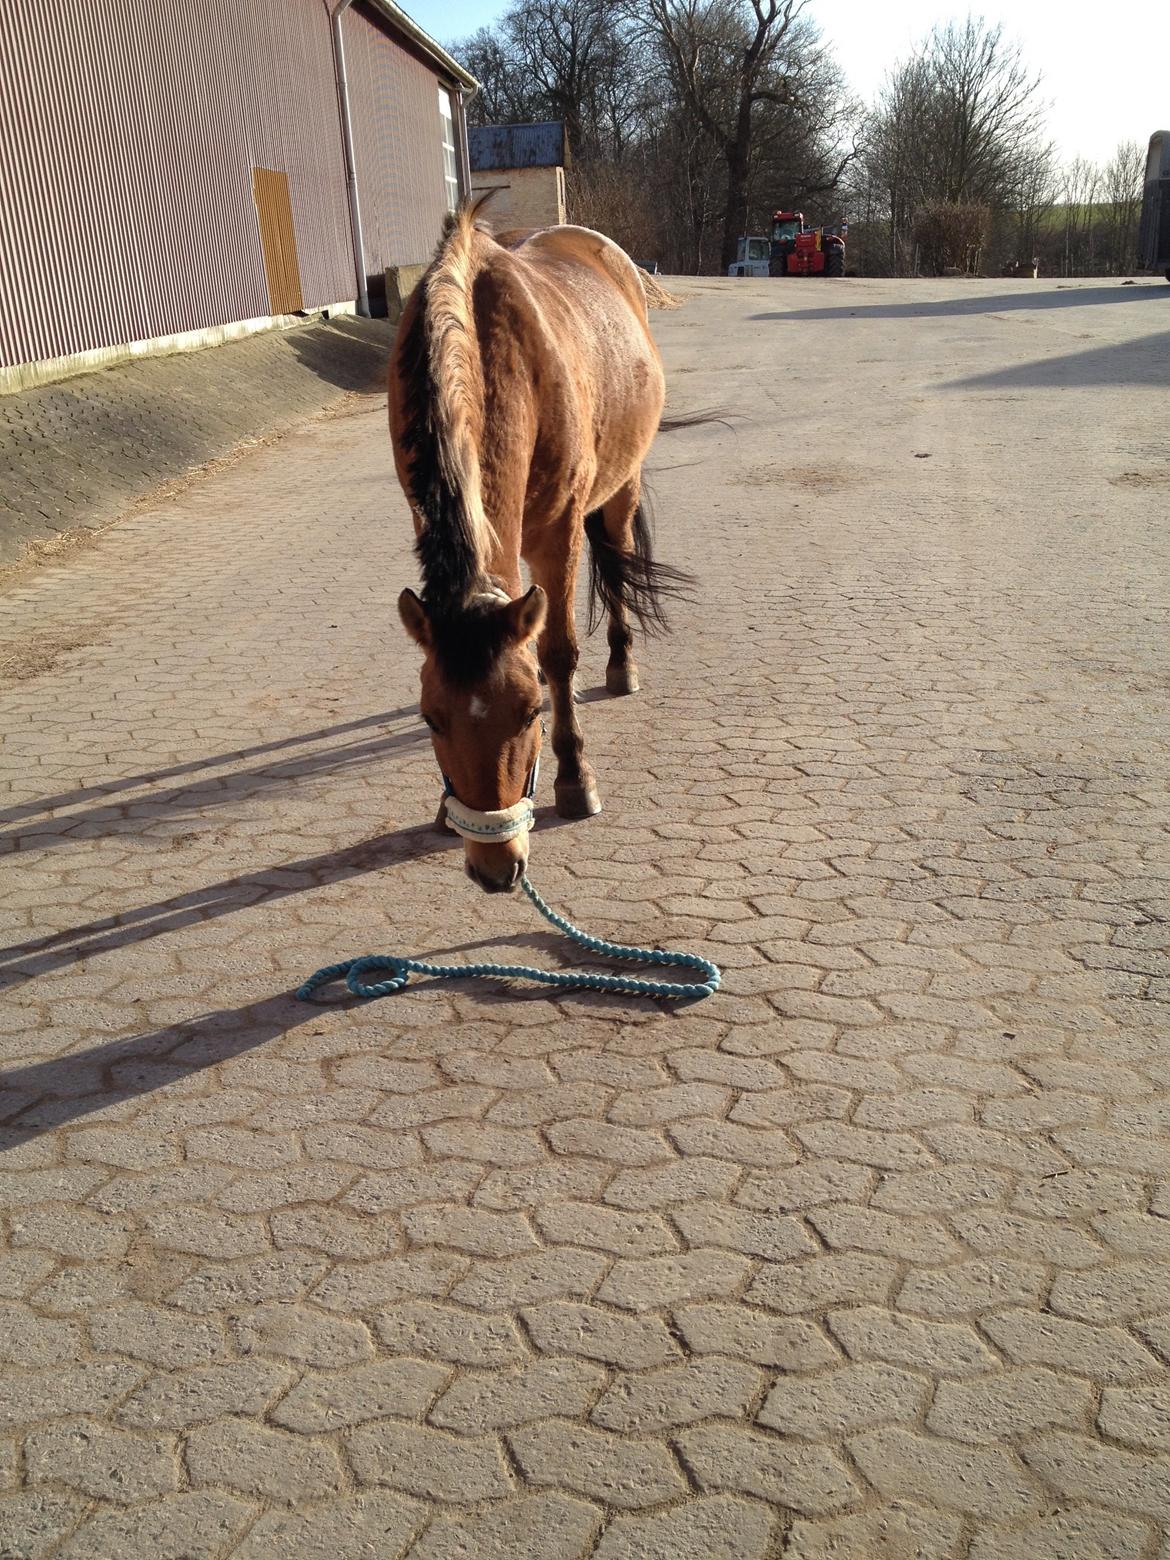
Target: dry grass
(657,296)
(813,479)
(23,659)
(1141,479)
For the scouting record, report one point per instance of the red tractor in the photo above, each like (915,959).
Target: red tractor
(803,251)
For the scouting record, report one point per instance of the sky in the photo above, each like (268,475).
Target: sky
(1104,72)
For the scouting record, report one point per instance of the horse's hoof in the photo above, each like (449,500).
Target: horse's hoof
(621,679)
(577,801)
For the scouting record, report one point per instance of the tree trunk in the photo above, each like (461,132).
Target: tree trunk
(736,211)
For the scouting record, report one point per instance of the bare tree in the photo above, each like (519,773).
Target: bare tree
(1080,188)
(683,166)
(1093,229)
(1030,219)
(800,153)
(959,123)
(506,94)
(571,52)
(559,59)
(987,143)
(734,64)
(1122,182)
(686,118)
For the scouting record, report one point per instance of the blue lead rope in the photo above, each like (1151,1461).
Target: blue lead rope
(353,970)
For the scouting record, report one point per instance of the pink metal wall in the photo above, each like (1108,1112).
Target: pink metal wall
(394,103)
(128,135)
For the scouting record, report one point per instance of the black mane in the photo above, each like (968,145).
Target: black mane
(465,608)
(444,547)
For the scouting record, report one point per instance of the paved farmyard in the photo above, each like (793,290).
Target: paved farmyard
(868,1255)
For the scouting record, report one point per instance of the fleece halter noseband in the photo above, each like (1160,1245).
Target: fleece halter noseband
(492,828)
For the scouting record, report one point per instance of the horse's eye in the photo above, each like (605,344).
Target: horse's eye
(531,718)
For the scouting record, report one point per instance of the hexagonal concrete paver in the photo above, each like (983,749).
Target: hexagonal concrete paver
(865,1256)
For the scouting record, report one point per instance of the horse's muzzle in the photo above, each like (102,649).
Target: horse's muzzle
(501,881)
(496,842)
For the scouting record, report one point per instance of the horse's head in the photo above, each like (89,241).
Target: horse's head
(481,699)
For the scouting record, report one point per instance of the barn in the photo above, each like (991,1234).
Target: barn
(173,177)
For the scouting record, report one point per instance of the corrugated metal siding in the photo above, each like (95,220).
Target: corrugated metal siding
(517,146)
(394,105)
(127,144)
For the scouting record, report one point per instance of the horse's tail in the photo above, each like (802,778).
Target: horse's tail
(440,361)
(633,580)
(700,419)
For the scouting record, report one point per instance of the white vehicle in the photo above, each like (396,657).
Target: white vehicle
(751,258)
(1154,234)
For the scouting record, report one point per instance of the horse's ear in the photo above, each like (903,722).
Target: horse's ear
(526,616)
(414,619)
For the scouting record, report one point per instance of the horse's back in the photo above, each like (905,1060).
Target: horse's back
(569,246)
(588,308)
(589,346)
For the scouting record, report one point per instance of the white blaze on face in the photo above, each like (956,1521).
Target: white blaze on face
(477,708)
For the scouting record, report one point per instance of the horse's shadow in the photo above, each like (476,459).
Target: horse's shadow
(102,791)
(109,810)
(121,928)
(38,956)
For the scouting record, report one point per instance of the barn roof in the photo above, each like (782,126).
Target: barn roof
(517,146)
(426,44)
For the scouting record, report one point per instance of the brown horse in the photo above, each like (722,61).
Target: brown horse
(525,392)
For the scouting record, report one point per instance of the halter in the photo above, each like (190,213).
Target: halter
(497,827)
(505,823)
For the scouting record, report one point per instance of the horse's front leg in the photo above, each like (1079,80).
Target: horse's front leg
(576,784)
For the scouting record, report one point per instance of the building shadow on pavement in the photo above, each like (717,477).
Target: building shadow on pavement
(351,353)
(998,303)
(1145,361)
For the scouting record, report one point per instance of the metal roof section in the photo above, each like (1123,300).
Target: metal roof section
(424,41)
(517,146)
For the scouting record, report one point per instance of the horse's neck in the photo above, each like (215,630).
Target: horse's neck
(508,455)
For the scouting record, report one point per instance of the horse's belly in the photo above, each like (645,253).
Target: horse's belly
(626,416)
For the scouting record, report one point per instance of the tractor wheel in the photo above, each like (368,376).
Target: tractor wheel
(835,262)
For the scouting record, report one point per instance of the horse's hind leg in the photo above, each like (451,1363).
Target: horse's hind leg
(555,570)
(618,518)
